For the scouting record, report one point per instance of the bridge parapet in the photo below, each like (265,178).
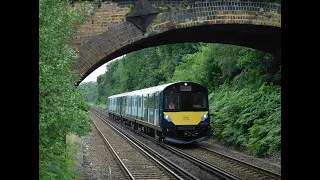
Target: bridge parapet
(219,12)
(180,14)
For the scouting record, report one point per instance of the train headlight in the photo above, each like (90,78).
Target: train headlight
(204,117)
(167,117)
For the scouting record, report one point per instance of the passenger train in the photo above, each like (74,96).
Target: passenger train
(175,112)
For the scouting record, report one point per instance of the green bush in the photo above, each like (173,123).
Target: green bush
(62,109)
(248,118)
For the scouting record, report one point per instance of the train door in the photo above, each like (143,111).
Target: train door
(118,105)
(134,107)
(129,106)
(145,108)
(123,99)
(156,109)
(137,110)
(140,108)
(126,106)
(113,104)
(151,108)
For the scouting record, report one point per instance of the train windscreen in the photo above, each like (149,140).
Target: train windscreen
(191,101)
(172,101)
(186,101)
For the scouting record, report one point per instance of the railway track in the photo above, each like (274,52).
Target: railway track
(140,165)
(225,166)
(215,172)
(238,168)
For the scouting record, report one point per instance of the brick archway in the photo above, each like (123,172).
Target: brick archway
(251,24)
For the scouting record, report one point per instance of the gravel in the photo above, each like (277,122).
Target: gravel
(271,164)
(95,159)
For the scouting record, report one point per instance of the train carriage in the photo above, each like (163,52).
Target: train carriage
(174,112)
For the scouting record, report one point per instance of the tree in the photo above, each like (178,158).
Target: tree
(243,84)
(90,91)
(61,107)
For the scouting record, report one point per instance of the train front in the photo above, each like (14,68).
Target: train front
(185,113)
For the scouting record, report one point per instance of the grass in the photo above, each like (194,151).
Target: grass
(91,104)
(73,144)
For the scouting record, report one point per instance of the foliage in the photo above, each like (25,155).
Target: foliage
(210,65)
(196,67)
(132,73)
(249,118)
(90,91)
(247,111)
(61,107)
(243,83)
(259,66)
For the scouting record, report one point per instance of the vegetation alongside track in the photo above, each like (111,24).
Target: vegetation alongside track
(62,110)
(244,86)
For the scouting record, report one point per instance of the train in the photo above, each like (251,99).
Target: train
(176,112)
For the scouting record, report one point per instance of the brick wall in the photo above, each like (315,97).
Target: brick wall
(99,20)
(106,31)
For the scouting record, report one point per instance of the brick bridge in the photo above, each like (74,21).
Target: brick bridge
(107,34)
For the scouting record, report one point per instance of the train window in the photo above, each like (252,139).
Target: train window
(199,100)
(151,101)
(145,103)
(172,101)
(185,88)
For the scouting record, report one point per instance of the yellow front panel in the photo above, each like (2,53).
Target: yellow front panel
(186,118)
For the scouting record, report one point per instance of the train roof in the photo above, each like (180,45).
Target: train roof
(143,91)
(149,90)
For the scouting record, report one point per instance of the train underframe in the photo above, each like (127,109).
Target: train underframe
(185,134)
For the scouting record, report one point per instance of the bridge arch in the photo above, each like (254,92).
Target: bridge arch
(250,24)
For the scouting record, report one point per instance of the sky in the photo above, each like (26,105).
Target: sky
(101,70)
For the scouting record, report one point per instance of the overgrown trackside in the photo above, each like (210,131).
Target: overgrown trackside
(61,108)
(244,86)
